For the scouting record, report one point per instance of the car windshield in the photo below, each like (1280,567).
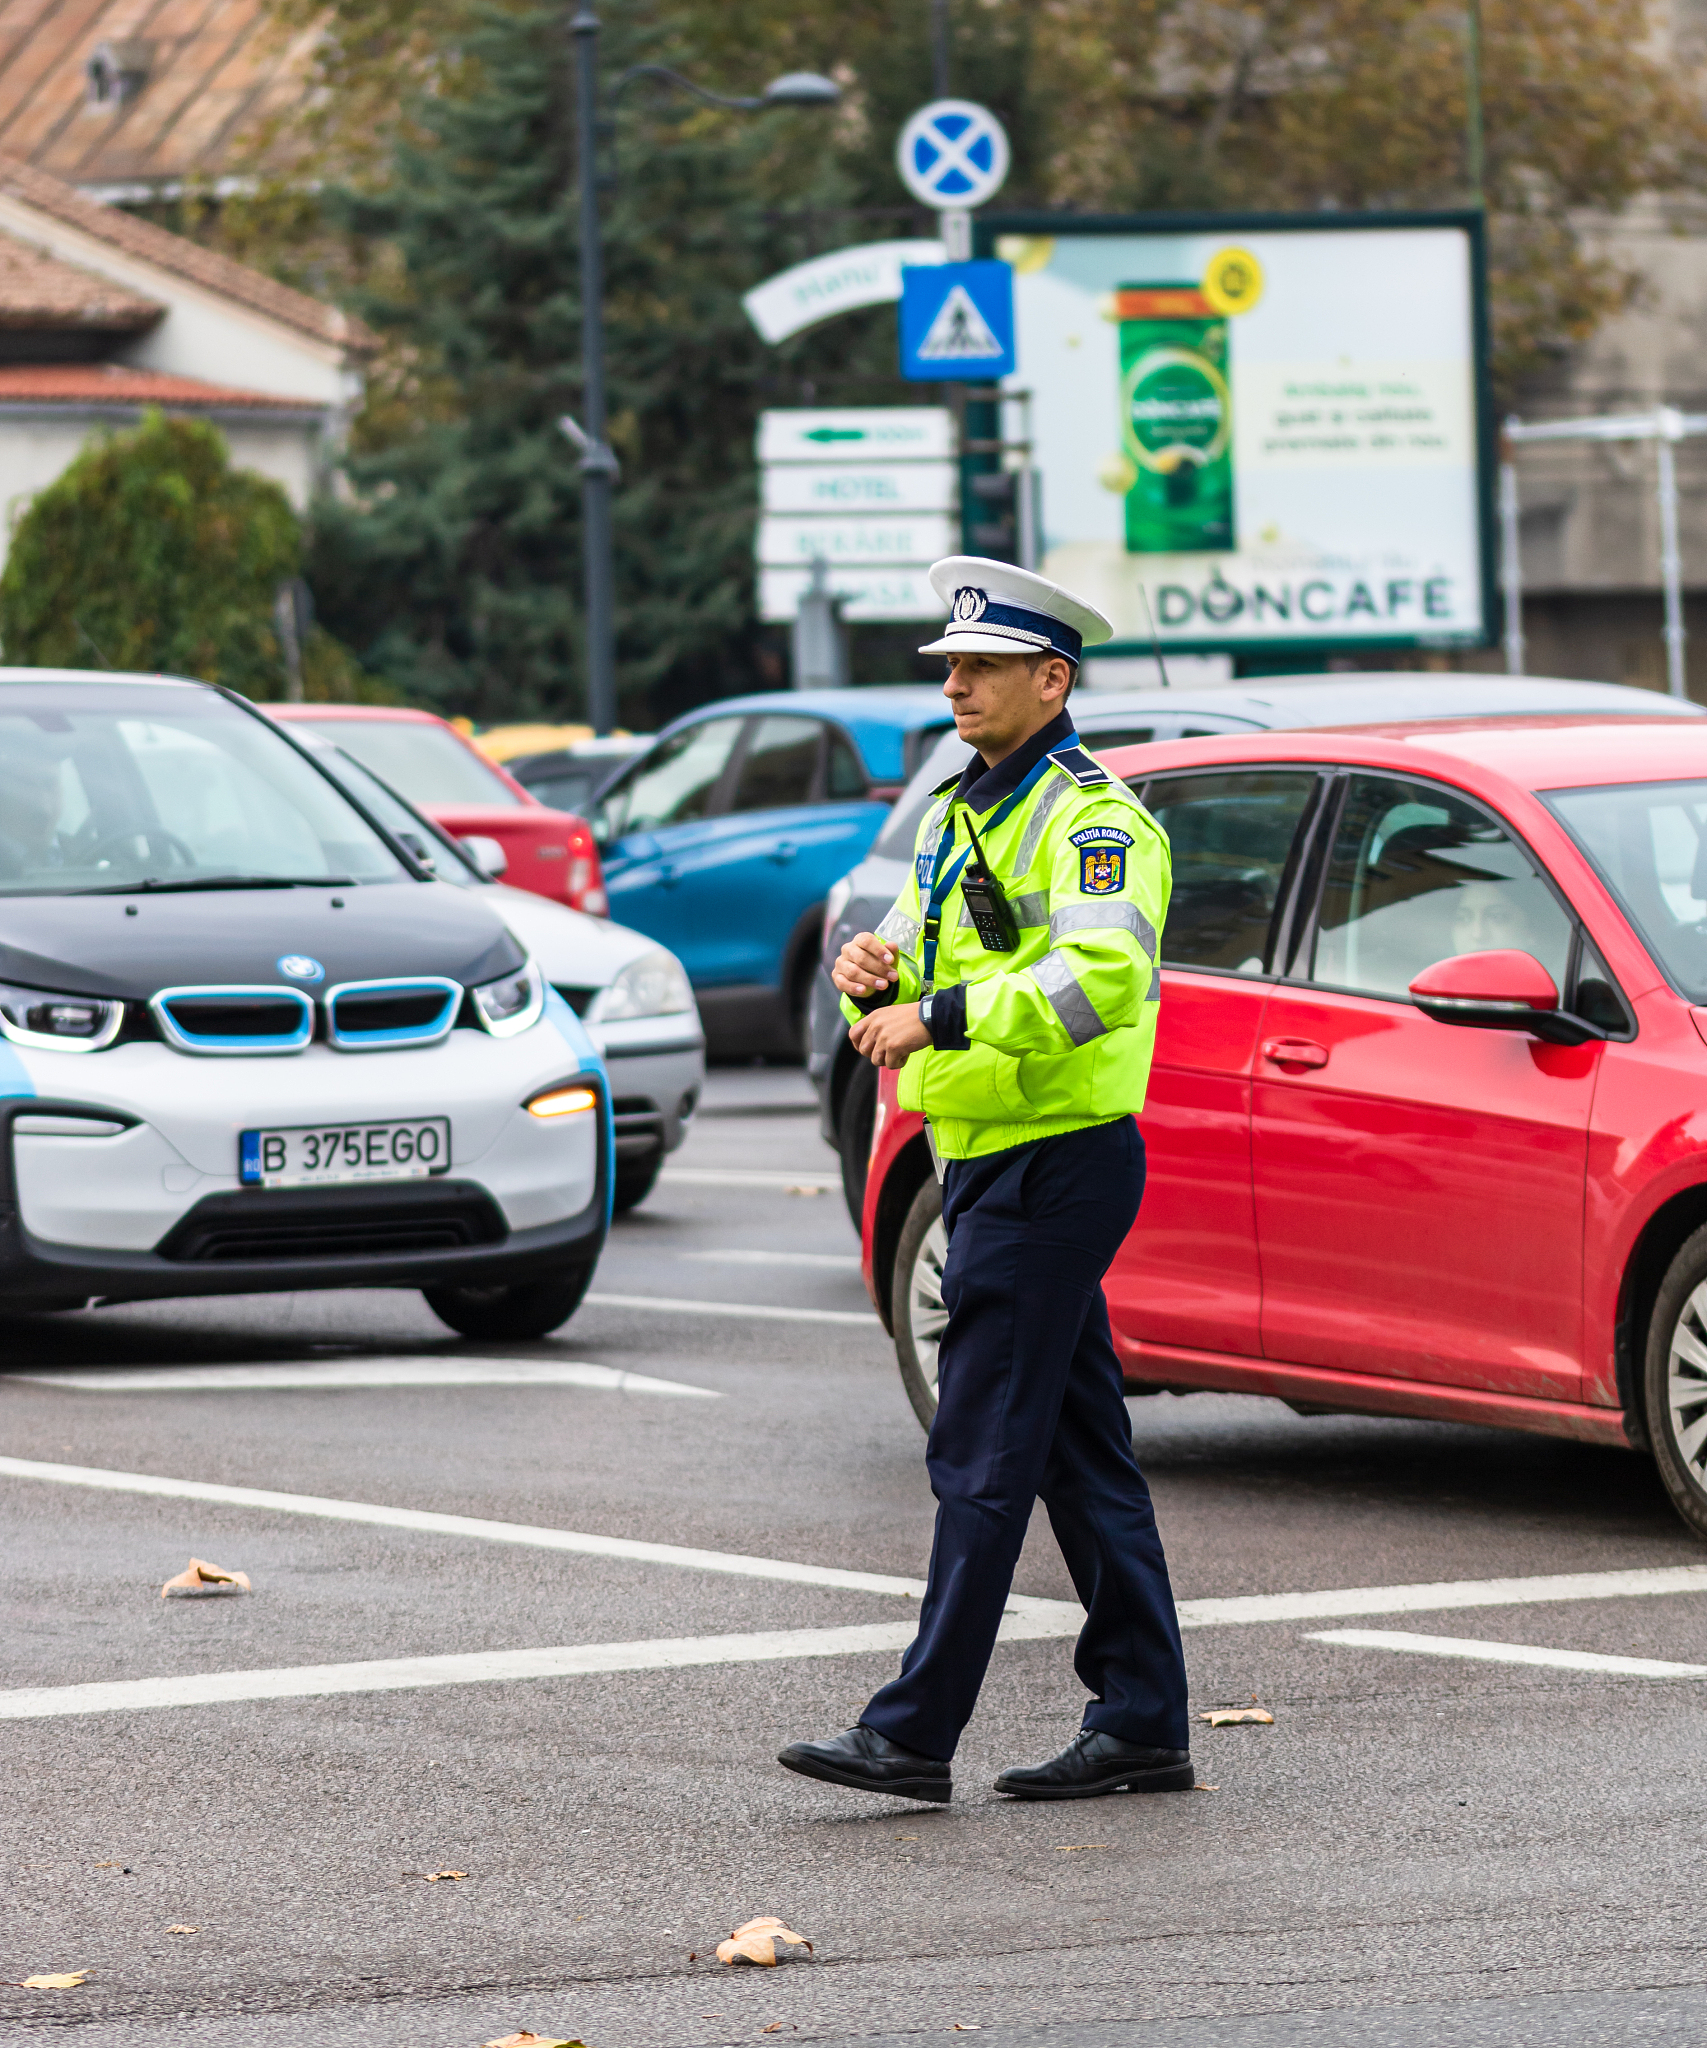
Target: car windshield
(428,764)
(431,846)
(1649,842)
(116,786)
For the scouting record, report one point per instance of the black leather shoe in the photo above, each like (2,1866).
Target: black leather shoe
(870,1763)
(1094,1763)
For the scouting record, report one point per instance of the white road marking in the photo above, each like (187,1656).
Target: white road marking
(522,1533)
(365,1372)
(1499,1653)
(840,1262)
(1449,1593)
(748,1311)
(745,1177)
(400,1674)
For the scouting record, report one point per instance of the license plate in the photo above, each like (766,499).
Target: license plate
(317,1154)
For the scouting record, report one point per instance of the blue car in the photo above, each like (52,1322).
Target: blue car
(723,840)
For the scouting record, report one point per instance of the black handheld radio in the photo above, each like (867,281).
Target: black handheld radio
(992,914)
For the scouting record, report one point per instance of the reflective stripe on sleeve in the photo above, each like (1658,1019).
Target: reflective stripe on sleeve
(898,929)
(1052,793)
(1070,1003)
(1097,917)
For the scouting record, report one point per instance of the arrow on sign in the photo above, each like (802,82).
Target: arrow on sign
(836,434)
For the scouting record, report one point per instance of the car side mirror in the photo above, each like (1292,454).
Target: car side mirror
(1499,991)
(487,855)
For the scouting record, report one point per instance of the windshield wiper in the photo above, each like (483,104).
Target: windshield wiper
(155,885)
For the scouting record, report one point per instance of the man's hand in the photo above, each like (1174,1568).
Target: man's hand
(886,1037)
(863,966)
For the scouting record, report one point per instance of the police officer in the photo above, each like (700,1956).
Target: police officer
(1014,985)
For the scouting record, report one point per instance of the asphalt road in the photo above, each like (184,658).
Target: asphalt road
(1424,1847)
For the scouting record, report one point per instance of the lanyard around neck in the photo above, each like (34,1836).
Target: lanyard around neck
(945,874)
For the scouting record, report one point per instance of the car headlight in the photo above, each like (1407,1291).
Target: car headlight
(652,986)
(56,1023)
(511,1004)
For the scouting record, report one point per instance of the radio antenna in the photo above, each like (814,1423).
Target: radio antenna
(1155,637)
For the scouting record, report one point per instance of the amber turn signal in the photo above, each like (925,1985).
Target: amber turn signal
(564,1102)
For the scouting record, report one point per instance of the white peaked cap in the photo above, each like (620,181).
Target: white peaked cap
(995,608)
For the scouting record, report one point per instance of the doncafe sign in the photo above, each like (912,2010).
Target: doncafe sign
(1277,604)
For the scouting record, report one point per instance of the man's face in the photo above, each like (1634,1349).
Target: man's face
(998,701)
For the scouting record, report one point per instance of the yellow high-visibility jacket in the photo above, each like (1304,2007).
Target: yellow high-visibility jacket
(1061,1032)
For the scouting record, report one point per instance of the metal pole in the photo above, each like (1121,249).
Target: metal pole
(1511,569)
(598,466)
(939,49)
(1671,562)
(1474,163)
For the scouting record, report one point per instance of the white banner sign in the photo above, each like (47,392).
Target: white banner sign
(923,537)
(1259,435)
(866,275)
(859,487)
(870,596)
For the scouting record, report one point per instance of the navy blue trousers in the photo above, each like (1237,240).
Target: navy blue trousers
(1030,1406)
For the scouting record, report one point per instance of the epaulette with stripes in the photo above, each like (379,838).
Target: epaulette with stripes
(1085,770)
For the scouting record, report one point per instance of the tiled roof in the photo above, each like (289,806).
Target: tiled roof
(207,73)
(37,291)
(184,258)
(85,384)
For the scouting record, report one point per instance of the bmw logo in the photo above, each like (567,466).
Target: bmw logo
(969,604)
(300,967)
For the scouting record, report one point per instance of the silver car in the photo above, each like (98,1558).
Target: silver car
(632,995)
(847,1086)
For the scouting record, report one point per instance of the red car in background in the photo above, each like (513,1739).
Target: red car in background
(429,762)
(1427,1124)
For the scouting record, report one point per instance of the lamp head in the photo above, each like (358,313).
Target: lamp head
(801,89)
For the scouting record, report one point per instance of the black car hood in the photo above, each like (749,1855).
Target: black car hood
(90,945)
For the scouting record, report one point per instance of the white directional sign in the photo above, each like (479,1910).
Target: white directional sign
(861,487)
(872,493)
(869,596)
(877,433)
(920,537)
(953,155)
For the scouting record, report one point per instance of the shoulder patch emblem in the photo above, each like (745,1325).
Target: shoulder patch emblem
(1093,833)
(1102,870)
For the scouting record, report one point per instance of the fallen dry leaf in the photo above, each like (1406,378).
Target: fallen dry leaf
(443,1876)
(803,1191)
(775,2027)
(55,1980)
(199,1579)
(1073,1848)
(183,1928)
(526,2040)
(755,1942)
(1236,1717)
(1206,1788)
(969,2026)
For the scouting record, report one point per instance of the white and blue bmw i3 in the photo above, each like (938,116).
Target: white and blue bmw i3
(249,1043)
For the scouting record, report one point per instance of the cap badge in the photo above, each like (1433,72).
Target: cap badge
(969,604)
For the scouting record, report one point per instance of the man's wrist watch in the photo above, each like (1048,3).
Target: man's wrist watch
(925,1011)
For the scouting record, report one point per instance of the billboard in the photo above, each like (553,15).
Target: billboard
(1258,433)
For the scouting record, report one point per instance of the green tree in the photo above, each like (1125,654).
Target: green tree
(152,552)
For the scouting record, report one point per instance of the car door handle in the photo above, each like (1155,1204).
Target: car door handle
(668,874)
(783,852)
(1295,1052)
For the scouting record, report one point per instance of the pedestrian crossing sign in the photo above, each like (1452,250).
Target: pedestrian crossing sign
(957,322)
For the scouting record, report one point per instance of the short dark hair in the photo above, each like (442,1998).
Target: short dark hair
(1035,658)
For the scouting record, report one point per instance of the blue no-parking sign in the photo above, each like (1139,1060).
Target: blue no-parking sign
(957,321)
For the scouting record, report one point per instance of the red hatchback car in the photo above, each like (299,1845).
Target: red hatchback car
(1427,1125)
(428,762)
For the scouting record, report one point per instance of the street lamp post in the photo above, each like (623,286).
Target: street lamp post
(598,463)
